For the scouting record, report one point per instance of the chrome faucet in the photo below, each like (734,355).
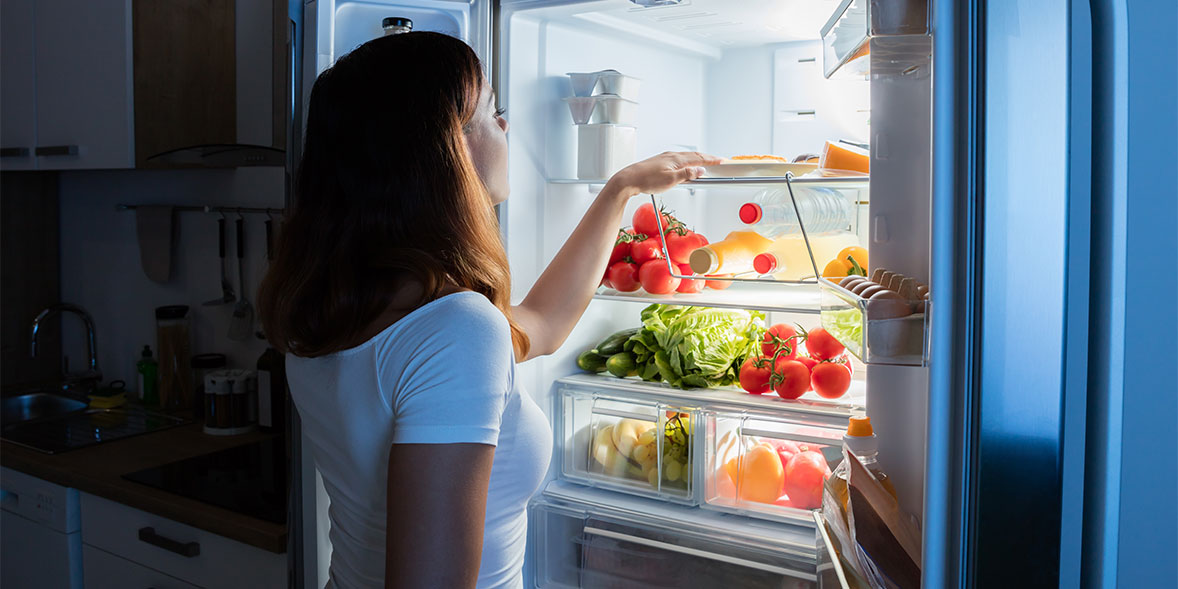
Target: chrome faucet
(90,376)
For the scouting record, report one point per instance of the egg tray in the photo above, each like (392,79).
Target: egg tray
(894,341)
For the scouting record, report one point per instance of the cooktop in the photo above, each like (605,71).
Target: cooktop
(248,479)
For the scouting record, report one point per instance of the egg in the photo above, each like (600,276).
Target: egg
(870,290)
(861,285)
(849,281)
(885,304)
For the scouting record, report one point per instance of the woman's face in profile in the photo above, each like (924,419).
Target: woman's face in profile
(487,139)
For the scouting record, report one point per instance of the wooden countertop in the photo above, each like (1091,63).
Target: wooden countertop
(99,470)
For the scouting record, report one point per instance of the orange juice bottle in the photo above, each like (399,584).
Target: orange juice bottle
(859,440)
(734,255)
(788,259)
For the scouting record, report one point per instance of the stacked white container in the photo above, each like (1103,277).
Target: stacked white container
(603,106)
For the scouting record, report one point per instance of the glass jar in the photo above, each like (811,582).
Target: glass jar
(227,401)
(201,365)
(395,25)
(173,341)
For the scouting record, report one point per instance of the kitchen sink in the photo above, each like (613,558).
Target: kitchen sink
(33,406)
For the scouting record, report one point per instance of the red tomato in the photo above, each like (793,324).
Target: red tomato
(689,285)
(646,250)
(719,284)
(753,378)
(845,362)
(783,501)
(680,245)
(822,345)
(656,278)
(830,380)
(623,276)
(804,476)
(810,363)
(621,245)
(786,450)
(790,378)
(780,336)
(644,220)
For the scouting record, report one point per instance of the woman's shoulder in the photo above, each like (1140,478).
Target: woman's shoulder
(465,316)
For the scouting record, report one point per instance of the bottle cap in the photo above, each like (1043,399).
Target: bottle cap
(704,261)
(765,263)
(146,351)
(859,426)
(750,212)
(396,21)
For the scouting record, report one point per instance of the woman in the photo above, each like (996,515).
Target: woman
(389,292)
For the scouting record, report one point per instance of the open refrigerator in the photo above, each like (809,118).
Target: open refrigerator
(728,78)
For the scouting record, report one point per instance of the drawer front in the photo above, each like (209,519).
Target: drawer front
(643,447)
(750,466)
(176,549)
(103,570)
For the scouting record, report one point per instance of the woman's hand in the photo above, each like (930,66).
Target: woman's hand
(659,173)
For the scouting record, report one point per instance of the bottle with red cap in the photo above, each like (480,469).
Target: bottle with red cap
(772,214)
(788,258)
(859,440)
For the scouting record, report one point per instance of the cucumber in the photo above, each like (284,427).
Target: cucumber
(621,365)
(615,343)
(591,361)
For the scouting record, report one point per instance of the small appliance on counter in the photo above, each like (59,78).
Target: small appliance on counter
(231,401)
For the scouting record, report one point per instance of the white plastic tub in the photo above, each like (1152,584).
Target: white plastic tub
(604,149)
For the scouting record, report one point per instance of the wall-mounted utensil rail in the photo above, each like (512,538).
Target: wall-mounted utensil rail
(213,209)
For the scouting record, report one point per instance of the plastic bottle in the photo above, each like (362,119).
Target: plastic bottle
(148,371)
(788,259)
(771,213)
(860,440)
(733,255)
(395,25)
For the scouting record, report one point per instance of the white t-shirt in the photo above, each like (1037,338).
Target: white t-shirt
(443,374)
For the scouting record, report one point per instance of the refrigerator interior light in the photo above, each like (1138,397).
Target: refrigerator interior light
(650,3)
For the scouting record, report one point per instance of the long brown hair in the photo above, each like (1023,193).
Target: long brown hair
(386,189)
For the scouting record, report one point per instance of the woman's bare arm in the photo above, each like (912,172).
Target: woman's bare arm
(561,294)
(437,501)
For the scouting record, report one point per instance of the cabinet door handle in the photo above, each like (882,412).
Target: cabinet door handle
(189,549)
(57,150)
(14,152)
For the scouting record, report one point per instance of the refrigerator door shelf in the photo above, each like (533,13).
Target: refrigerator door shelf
(831,572)
(858,324)
(847,35)
(810,408)
(753,295)
(749,467)
(643,447)
(589,538)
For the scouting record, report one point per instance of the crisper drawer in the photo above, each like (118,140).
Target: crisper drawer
(767,466)
(588,541)
(178,550)
(632,445)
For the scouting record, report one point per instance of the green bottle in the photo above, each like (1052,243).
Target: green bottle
(148,371)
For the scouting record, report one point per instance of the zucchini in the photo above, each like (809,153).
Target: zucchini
(591,361)
(621,365)
(616,342)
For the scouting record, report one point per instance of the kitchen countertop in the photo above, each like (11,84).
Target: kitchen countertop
(99,470)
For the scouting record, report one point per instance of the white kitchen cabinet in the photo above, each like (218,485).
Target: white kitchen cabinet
(176,550)
(18,123)
(104,570)
(40,538)
(67,85)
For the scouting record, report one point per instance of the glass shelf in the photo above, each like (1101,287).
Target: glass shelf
(770,297)
(847,182)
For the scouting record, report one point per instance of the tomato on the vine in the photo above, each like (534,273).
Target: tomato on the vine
(790,378)
(689,285)
(809,363)
(644,220)
(830,380)
(680,244)
(754,375)
(646,250)
(656,278)
(781,337)
(822,345)
(621,245)
(623,276)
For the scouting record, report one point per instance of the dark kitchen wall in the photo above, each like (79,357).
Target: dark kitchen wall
(29,278)
(100,258)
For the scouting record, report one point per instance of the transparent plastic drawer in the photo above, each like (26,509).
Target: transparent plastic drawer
(767,466)
(877,332)
(635,446)
(632,546)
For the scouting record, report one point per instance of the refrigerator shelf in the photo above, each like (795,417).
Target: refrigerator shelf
(593,538)
(767,296)
(844,182)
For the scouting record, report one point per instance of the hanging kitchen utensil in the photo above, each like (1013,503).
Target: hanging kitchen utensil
(227,295)
(241,325)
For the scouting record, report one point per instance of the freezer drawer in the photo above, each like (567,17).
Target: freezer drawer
(638,446)
(750,466)
(590,540)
